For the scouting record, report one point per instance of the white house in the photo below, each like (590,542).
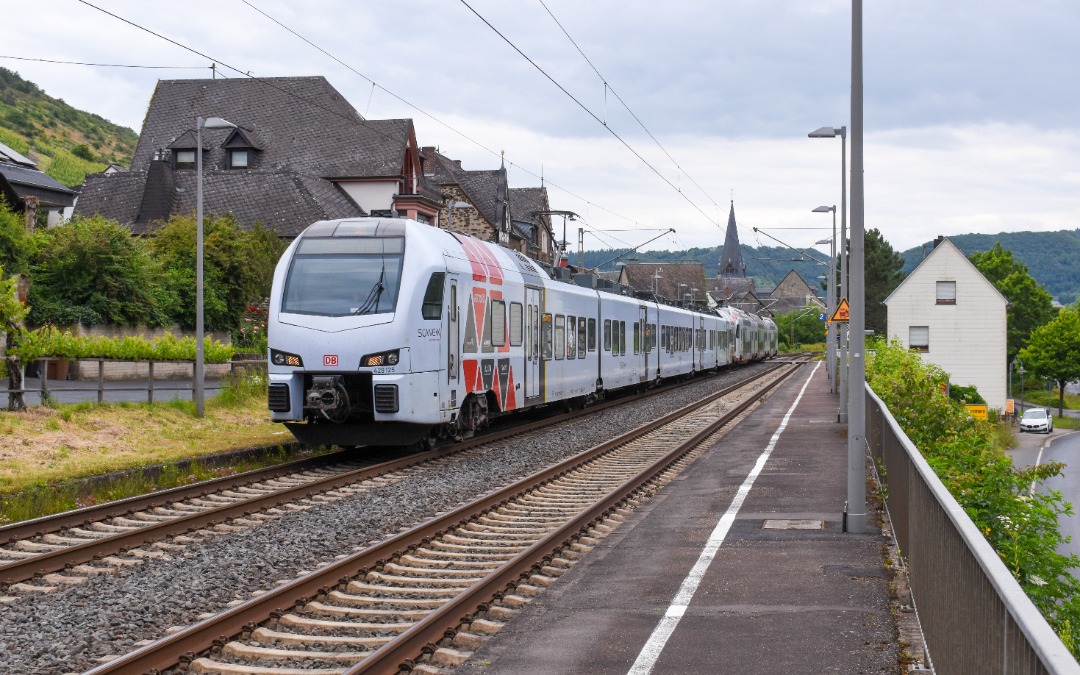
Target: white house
(947,310)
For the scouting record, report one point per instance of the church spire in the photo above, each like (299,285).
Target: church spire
(731,260)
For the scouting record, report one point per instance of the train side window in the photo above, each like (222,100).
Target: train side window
(637,337)
(622,337)
(516,312)
(545,336)
(571,337)
(592,335)
(581,337)
(607,335)
(497,321)
(431,309)
(560,337)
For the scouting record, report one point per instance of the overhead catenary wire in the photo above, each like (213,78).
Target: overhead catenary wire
(607,88)
(540,176)
(348,119)
(102,65)
(590,113)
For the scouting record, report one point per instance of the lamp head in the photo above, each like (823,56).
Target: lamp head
(214,123)
(823,209)
(828,132)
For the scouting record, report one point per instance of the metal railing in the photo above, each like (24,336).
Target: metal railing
(101,388)
(975,616)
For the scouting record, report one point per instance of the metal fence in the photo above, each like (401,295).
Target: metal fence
(154,384)
(975,616)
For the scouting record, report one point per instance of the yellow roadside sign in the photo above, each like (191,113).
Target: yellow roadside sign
(977,411)
(842,313)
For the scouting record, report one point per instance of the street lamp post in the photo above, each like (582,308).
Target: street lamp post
(200,356)
(842,374)
(830,340)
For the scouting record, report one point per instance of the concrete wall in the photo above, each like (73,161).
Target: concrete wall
(967,339)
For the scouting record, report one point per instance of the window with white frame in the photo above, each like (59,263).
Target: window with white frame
(946,292)
(919,338)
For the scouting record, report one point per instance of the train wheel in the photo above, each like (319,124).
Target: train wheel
(473,416)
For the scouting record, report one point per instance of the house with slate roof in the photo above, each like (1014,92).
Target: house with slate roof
(513,217)
(947,310)
(28,190)
(299,153)
(792,294)
(677,282)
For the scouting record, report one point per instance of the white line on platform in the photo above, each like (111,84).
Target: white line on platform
(650,653)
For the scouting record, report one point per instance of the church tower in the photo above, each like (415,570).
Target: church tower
(731,260)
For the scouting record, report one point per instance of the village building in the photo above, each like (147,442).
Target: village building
(947,310)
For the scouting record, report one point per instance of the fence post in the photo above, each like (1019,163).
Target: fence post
(101,380)
(150,391)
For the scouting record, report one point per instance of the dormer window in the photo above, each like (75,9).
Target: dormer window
(185,159)
(239,158)
(241,149)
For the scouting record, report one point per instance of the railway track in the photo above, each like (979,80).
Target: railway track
(39,556)
(425,597)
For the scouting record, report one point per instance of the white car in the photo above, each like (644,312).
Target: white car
(1037,419)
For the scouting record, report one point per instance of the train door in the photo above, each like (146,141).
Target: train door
(643,322)
(699,344)
(453,336)
(532,343)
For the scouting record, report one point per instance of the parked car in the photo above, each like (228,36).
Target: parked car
(1037,419)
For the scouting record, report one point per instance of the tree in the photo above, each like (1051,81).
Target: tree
(883,273)
(238,268)
(1053,351)
(91,271)
(1030,305)
(800,327)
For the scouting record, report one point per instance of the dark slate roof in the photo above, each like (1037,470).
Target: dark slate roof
(303,133)
(526,202)
(25,181)
(642,276)
(731,257)
(285,202)
(482,187)
(723,288)
(303,124)
(13,157)
(440,168)
(116,196)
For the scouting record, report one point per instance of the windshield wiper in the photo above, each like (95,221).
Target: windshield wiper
(372,300)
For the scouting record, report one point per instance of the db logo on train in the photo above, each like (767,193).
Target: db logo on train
(329,359)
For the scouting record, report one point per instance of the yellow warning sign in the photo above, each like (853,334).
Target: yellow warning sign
(842,313)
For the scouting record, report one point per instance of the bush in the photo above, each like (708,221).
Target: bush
(1019,520)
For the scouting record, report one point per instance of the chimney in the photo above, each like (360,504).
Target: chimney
(938,240)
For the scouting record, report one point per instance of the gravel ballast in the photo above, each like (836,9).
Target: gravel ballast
(73,629)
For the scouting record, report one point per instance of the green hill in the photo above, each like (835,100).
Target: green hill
(67,143)
(1052,258)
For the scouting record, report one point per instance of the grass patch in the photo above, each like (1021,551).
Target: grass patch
(43,448)
(1049,399)
(1066,422)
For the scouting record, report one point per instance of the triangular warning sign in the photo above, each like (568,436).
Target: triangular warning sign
(842,313)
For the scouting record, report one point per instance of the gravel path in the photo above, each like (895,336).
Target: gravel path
(71,630)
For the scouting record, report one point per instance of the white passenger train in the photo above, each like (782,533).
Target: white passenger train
(392,332)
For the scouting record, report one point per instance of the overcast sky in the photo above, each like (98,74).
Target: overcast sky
(972,108)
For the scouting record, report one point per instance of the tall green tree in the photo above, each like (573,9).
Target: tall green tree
(883,273)
(91,271)
(1053,351)
(238,268)
(1030,305)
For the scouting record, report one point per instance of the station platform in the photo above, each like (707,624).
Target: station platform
(784,590)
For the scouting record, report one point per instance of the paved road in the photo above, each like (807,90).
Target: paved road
(1062,445)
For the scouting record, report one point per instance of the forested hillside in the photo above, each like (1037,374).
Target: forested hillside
(1052,258)
(66,142)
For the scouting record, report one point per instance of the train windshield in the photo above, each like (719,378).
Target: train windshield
(339,276)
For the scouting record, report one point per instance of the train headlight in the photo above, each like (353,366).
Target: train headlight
(280,358)
(389,358)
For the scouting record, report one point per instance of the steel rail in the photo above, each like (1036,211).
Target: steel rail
(181,647)
(55,561)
